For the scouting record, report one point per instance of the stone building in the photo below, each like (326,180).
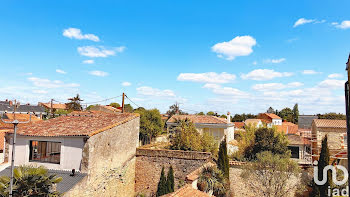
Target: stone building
(100,145)
(336,132)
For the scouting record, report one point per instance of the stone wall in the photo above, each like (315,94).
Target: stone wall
(149,163)
(109,160)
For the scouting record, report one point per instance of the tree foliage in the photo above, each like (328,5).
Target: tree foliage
(115,105)
(242,117)
(212,179)
(321,190)
(128,108)
(223,161)
(162,188)
(286,114)
(151,124)
(187,138)
(334,116)
(74,103)
(175,109)
(170,180)
(267,139)
(295,113)
(246,139)
(270,175)
(30,181)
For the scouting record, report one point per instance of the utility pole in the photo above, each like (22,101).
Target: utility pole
(123,103)
(15,123)
(347,107)
(51,110)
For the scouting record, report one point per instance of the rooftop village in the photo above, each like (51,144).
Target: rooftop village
(113,150)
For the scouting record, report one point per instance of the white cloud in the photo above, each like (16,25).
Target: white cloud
(98,73)
(46,83)
(275,86)
(149,91)
(125,84)
(88,61)
(335,75)
(332,84)
(342,25)
(92,51)
(310,72)
(275,61)
(229,91)
(303,21)
(209,77)
(264,74)
(61,71)
(77,34)
(238,46)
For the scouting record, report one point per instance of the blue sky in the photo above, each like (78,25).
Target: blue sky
(237,56)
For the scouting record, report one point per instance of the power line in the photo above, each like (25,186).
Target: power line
(101,100)
(132,101)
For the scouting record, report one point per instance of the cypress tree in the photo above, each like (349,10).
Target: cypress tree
(162,188)
(170,180)
(223,161)
(322,163)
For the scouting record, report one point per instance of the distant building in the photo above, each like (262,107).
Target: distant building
(300,148)
(305,121)
(54,106)
(105,108)
(8,107)
(336,135)
(215,126)
(253,122)
(270,119)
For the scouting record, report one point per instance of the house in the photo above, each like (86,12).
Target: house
(287,128)
(305,121)
(105,108)
(336,135)
(253,122)
(270,119)
(300,148)
(239,125)
(54,106)
(7,107)
(215,126)
(101,145)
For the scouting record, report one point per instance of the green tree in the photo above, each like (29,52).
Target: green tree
(151,124)
(211,113)
(223,161)
(223,116)
(201,113)
(321,190)
(187,138)
(128,108)
(115,105)
(270,110)
(286,114)
(295,113)
(89,107)
(212,179)
(267,139)
(170,180)
(74,103)
(175,109)
(162,188)
(30,181)
(270,175)
(333,116)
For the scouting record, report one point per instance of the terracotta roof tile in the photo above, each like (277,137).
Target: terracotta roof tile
(297,140)
(239,125)
(272,116)
(328,123)
(287,128)
(77,124)
(199,119)
(252,121)
(54,105)
(187,191)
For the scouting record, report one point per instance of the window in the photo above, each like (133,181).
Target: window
(295,151)
(44,151)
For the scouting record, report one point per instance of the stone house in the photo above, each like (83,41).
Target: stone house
(270,119)
(337,137)
(215,126)
(100,145)
(300,148)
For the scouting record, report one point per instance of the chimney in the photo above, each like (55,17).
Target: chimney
(228,118)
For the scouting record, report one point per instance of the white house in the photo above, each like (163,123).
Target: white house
(217,127)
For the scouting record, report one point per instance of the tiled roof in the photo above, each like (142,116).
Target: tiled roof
(239,125)
(54,105)
(67,183)
(287,128)
(187,191)
(21,117)
(328,123)
(199,119)
(23,108)
(305,121)
(297,140)
(77,124)
(252,121)
(272,116)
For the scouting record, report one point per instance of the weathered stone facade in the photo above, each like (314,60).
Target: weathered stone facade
(109,160)
(149,163)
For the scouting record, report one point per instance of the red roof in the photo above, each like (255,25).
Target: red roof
(187,191)
(272,116)
(329,123)
(287,128)
(77,124)
(239,125)
(54,105)
(199,119)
